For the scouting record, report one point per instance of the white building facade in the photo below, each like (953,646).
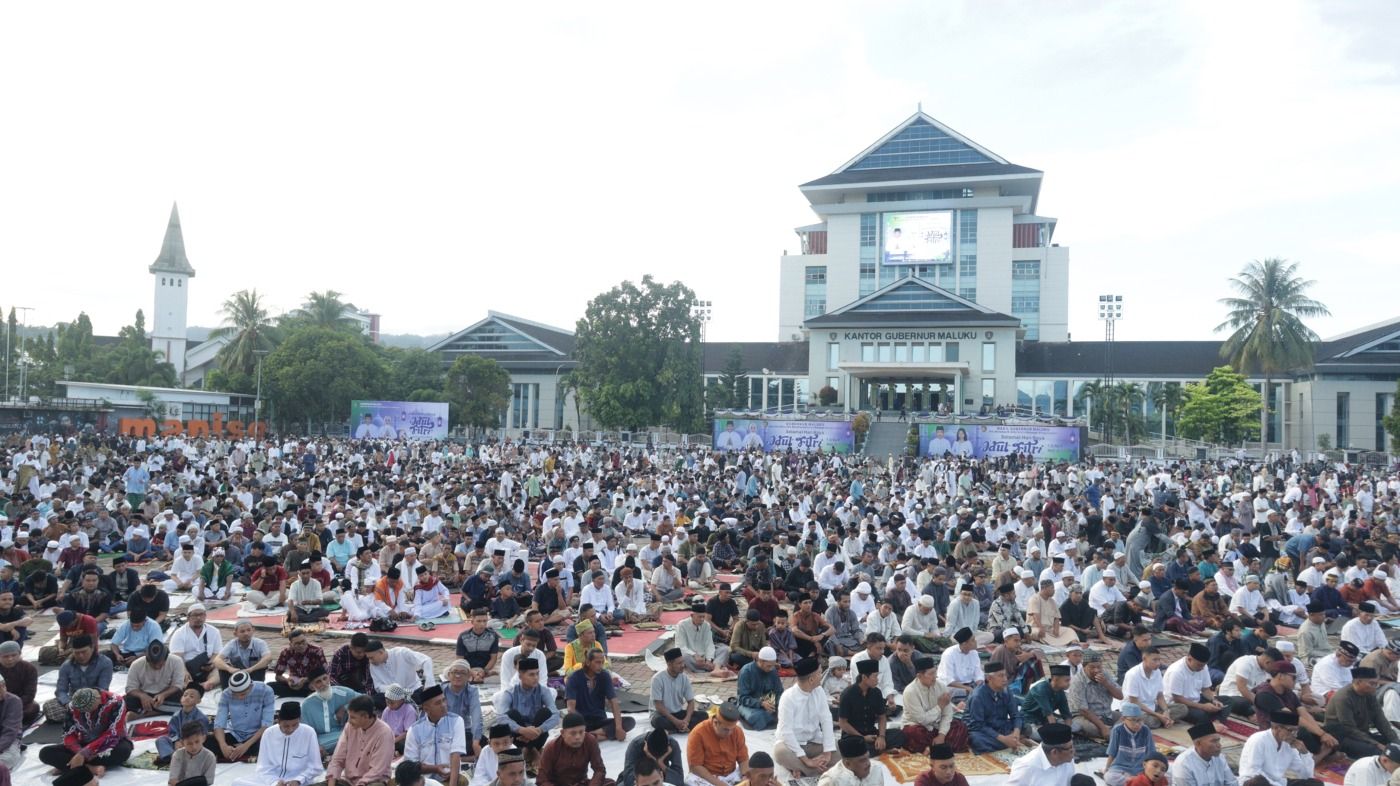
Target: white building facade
(171,274)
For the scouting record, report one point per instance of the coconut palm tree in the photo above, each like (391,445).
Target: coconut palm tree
(1095,393)
(1128,398)
(249,330)
(322,309)
(1168,398)
(1267,319)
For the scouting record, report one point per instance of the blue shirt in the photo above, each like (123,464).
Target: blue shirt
(243,717)
(591,703)
(525,702)
(136,479)
(992,711)
(130,640)
(754,683)
(467,706)
(179,719)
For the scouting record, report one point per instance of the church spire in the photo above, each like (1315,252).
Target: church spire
(172,257)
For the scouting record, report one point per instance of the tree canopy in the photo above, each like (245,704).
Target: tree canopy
(638,352)
(316,372)
(478,390)
(1223,409)
(249,330)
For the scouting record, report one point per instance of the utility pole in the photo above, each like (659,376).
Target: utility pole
(24,312)
(1110,311)
(257,400)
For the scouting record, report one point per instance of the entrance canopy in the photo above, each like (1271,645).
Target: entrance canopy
(938,372)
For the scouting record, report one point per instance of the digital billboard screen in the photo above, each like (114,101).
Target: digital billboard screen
(770,436)
(918,238)
(398,420)
(977,440)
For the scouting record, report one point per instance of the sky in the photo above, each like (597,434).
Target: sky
(432,161)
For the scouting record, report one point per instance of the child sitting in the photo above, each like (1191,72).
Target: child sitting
(1154,771)
(189,714)
(780,638)
(192,764)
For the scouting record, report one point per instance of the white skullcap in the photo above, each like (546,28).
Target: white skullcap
(1110,574)
(768,653)
(863,588)
(1147,585)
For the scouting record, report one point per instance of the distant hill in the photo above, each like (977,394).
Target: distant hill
(405,340)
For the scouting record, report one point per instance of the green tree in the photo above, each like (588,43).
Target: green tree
(131,361)
(249,330)
(316,372)
(638,351)
(1168,398)
(1093,396)
(1126,410)
(478,390)
(75,344)
(322,310)
(231,381)
(732,388)
(1266,318)
(413,370)
(1222,409)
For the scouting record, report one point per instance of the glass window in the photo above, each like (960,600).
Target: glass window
(804,389)
(1382,409)
(755,393)
(919,353)
(886,353)
(935,353)
(816,274)
(920,144)
(1043,396)
(788,388)
(968,293)
(1025,393)
(951,352)
(867,352)
(1062,398)
(773,393)
(901,353)
(833,356)
(989,392)
(868,282)
(1025,270)
(869,229)
(814,306)
(1343,420)
(989,357)
(835,384)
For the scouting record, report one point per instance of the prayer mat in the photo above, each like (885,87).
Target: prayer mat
(969,763)
(649,626)
(1334,770)
(906,766)
(44,734)
(147,730)
(143,761)
(1236,729)
(1166,747)
(508,634)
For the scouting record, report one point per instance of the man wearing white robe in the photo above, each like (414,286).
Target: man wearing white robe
(430,602)
(288,752)
(1276,752)
(362,606)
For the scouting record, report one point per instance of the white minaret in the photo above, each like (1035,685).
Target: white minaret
(172,274)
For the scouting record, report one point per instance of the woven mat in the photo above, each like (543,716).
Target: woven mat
(1334,770)
(143,761)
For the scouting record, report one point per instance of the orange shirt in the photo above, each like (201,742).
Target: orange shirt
(719,755)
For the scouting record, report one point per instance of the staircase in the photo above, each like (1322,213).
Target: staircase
(886,438)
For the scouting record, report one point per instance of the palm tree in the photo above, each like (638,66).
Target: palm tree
(248,328)
(1267,319)
(1128,398)
(1168,398)
(1094,393)
(323,309)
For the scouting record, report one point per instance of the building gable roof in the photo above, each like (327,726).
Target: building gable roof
(172,257)
(506,337)
(912,300)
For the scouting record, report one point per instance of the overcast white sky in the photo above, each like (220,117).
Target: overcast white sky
(435,160)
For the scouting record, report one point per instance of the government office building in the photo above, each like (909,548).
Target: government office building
(932,283)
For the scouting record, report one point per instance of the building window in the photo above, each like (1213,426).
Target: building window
(804,391)
(773,388)
(788,389)
(935,353)
(1343,420)
(1025,394)
(911,196)
(968,293)
(886,354)
(833,356)
(815,304)
(919,353)
(1382,409)
(755,393)
(869,229)
(951,352)
(989,392)
(1025,270)
(901,353)
(867,353)
(867,278)
(1062,398)
(989,357)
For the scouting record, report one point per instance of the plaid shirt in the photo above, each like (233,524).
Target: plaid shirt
(354,674)
(300,664)
(96,732)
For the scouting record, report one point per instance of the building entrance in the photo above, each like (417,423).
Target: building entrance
(908,394)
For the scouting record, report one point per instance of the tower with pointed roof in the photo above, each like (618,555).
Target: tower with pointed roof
(172,273)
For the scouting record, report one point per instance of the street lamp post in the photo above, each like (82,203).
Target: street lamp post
(1110,311)
(257,398)
(24,312)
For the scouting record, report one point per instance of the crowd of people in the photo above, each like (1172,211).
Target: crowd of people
(934,606)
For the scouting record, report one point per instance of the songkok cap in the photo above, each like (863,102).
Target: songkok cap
(1316,608)
(1283,717)
(1366,606)
(1349,648)
(1363,673)
(940,752)
(583,626)
(240,681)
(729,710)
(1055,734)
(1200,730)
(992,668)
(1200,652)
(852,747)
(923,663)
(429,693)
(289,711)
(761,760)
(1131,710)
(962,635)
(868,666)
(572,720)
(1093,656)
(397,692)
(1005,588)
(768,653)
(66,618)
(1059,670)
(672,654)
(809,665)
(510,756)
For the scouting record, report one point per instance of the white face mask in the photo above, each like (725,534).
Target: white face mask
(326,693)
